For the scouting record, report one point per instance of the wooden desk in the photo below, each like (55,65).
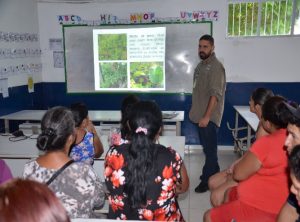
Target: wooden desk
(249,117)
(94,115)
(16,154)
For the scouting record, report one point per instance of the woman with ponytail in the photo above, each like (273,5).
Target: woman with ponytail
(142,177)
(75,183)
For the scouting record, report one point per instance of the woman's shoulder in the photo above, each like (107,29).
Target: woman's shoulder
(34,171)
(82,171)
(275,136)
(122,148)
(31,162)
(82,167)
(32,165)
(168,152)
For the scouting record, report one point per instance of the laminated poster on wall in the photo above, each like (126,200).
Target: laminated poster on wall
(56,44)
(58,59)
(30,84)
(4,87)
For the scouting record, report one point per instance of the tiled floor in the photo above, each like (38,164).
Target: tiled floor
(193,205)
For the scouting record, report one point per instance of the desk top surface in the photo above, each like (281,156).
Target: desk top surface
(26,149)
(94,115)
(248,116)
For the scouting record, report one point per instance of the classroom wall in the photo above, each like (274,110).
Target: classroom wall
(249,62)
(19,16)
(246,60)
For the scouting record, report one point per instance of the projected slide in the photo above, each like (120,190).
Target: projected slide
(129,59)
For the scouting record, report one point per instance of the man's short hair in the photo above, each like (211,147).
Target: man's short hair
(208,38)
(294,162)
(294,113)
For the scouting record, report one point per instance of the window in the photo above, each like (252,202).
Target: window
(263,18)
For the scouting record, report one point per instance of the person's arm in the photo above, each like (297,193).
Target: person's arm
(185,182)
(231,167)
(98,147)
(246,167)
(218,195)
(5,172)
(288,213)
(212,103)
(95,188)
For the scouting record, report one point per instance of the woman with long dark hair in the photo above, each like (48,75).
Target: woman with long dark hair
(143,178)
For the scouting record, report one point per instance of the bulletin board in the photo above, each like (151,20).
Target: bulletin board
(180,62)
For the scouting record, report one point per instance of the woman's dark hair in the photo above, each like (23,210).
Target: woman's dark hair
(80,112)
(294,161)
(27,200)
(56,126)
(126,106)
(145,121)
(275,111)
(261,95)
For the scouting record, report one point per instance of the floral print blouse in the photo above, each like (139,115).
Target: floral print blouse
(84,151)
(78,187)
(161,204)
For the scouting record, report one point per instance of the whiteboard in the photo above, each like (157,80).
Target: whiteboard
(181,54)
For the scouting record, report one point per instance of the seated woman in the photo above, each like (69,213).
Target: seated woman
(220,182)
(28,200)
(261,174)
(120,136)
(76,184)
(87,145)
(142,177)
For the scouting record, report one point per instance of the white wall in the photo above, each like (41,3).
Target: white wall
(246,60)
(19,16)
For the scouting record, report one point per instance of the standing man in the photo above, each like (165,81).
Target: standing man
(208,105)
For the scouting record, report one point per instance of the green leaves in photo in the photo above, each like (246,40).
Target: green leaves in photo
(112,46)
(113,75)
(146,75)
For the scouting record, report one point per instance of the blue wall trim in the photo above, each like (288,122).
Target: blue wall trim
(47,95)
(19,99)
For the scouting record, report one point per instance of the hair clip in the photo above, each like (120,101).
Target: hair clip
(141,129)
(49,132)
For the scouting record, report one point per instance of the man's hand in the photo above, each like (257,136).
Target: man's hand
(212,103)
(203,122)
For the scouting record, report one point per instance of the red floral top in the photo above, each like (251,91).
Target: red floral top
(161,200)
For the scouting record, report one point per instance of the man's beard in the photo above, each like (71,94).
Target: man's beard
(204,56)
